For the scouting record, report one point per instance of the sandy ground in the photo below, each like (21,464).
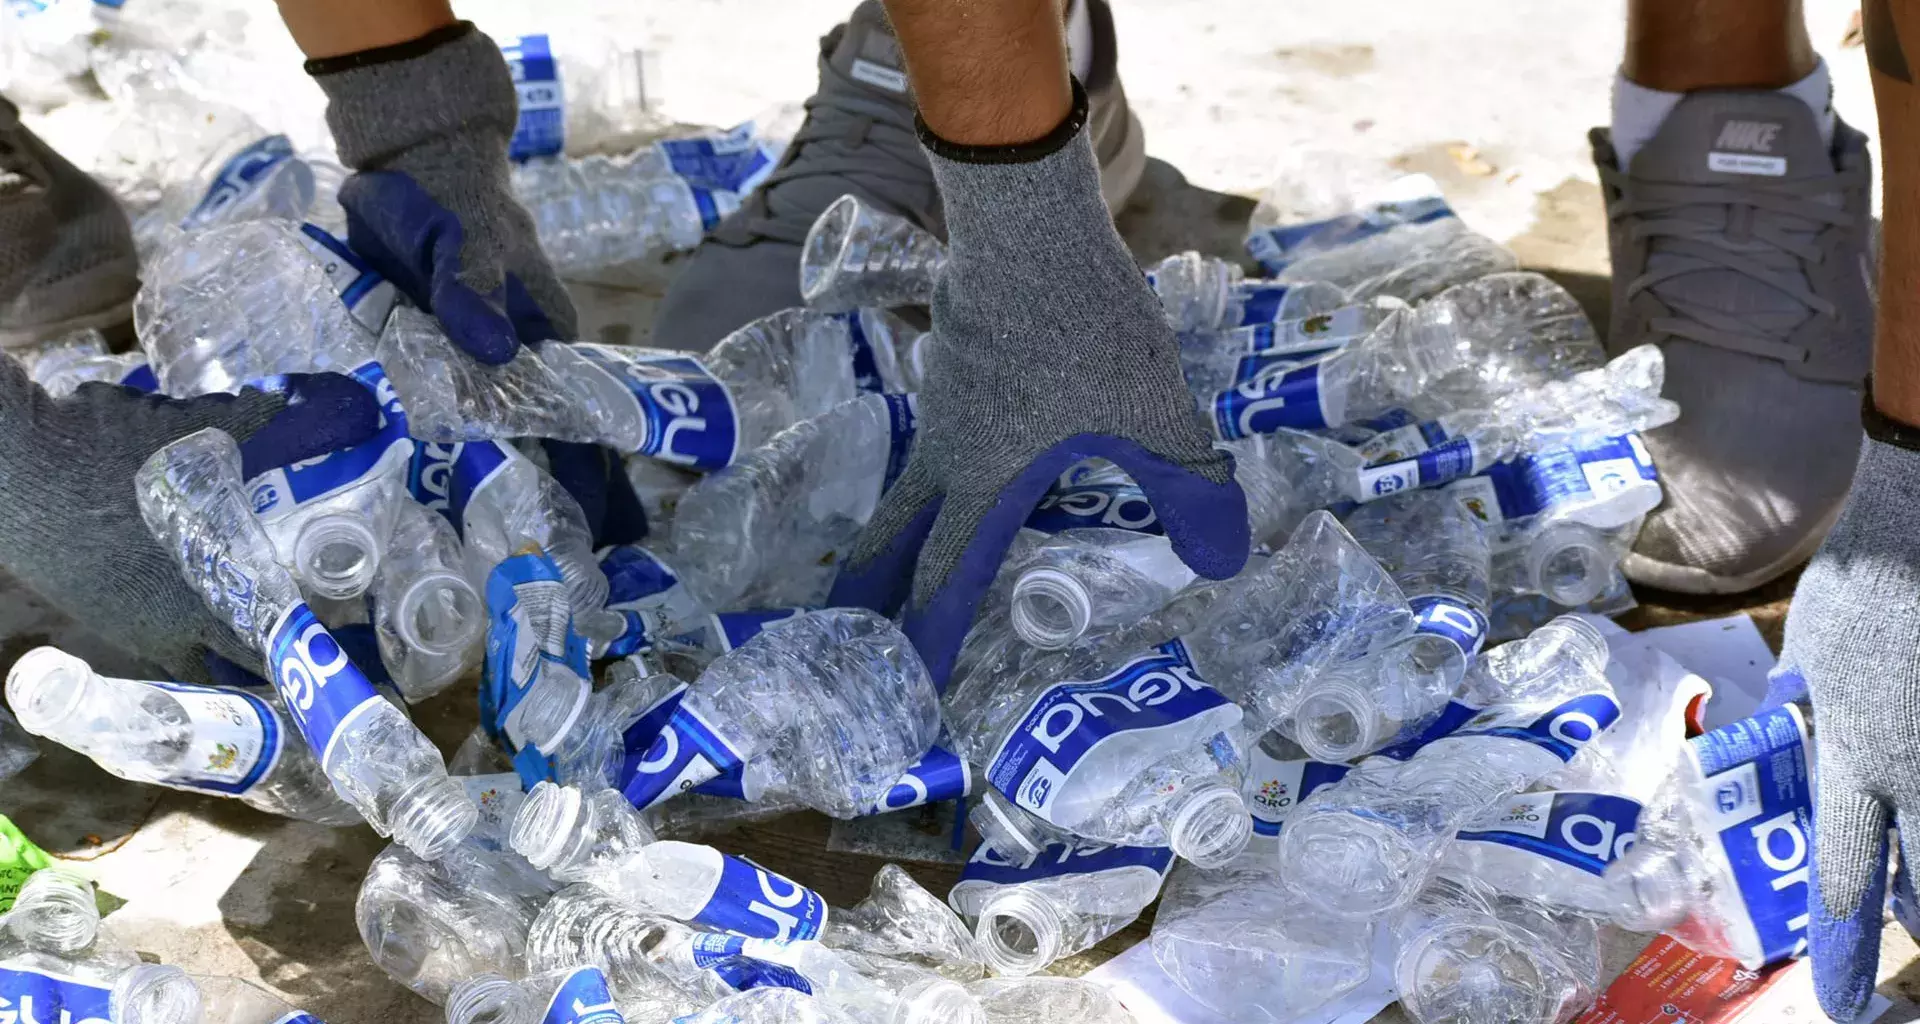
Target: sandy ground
(1492,97)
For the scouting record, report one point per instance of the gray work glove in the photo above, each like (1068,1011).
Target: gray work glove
(1853,646)
(70,526)
(426,124)
(1049,348)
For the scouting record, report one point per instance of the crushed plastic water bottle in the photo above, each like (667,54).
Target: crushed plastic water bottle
(431,924)
(855,256)
(451,397)
(193,502)
(1238,358)
(1437,553)
(1093,580)
(1365,845)
(1466,954)
(582,90)
(837,701)
(1076,749)
(901,920)
(773,526)
(195,738)
(1046,1000)
(576,995)
(1722,855)
(428,617)
(1203,294)
(255,179)
(1239,944)
(1030,913)
(604,211)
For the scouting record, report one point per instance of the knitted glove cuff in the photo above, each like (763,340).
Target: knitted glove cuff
(451,83)
(1021,153)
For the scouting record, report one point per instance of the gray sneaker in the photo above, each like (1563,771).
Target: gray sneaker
(66,252)
(1740,246)
(858,139)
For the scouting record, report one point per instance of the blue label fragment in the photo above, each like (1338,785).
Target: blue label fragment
(727,957)
(1757,799)
(669,750)
(531,645)
(939,775)
(238,178)
(1561,731)
(636,577)
(990,865)
(1450,720)
(141,378)
(1586,831)
(278,493)
(1278,247)
(1537,483)
(445,477)
(1460,625)
(320,686)
(752,901)
(903,420)
(1280,395)
(542,126)
(1260,301)
(30,997)
(233,739)
(1275,787)
(733,161)
(583,998)
(690,417)
(1113,505)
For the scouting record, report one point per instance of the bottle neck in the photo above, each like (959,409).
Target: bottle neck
(1021,931)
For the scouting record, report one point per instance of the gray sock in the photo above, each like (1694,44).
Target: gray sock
(444,117)
(70,528)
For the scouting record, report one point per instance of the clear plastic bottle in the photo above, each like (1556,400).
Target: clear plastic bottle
(783,515)
(1437,553)
(585,924)
(1241,360)
(837,700)
(1466,954)
(899,919)
(1239,944)
(1028,914)
(500,502)
(192,500)
(17,749)
(855,256)
(1048,1000)
(1366,844)
(432,924)
(450,397)
(1721,856)
(1092,580)
(602,840)
(427,615)
(576,995)
(50,959)
(599,211)
(1204,294)
(196,738)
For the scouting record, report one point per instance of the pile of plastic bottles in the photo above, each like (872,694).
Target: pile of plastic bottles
(1330,755)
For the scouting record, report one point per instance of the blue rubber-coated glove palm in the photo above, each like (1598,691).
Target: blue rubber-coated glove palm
(426,124)
(1049,348)
(1853,645)
(70,526)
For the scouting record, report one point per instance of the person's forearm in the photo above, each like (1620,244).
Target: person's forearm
(330,28)
(1893,52)
(985,72)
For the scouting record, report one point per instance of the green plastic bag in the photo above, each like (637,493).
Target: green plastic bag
(19,857)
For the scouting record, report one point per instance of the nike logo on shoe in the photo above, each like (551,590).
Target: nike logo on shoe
(1742,147)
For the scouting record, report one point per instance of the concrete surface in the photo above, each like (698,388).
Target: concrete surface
(1492,97)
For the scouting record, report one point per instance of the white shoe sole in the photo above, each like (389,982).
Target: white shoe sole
(1687,579)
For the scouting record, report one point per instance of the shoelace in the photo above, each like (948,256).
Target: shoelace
(842,121)
(1784,219)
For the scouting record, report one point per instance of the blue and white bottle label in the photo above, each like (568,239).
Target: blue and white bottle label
(728,630)
(731,161)
(1275,787)
(278,493)
(748,963)
(32,997)
(939,775)
(1159,690)
(1280,395)
(1544,481)
(542,126)
(1442,463)
(531,645)
(367,295)
(583,999)
(903,422)
(445,477)
(322,689)
(1758,800)
(1585,831)
(1458,624)
(749,900)
(690,416)
(237,179)
(1278,247)
(1450,720)
(1099,504)
(233,739)
(990,865)
(671,749)
(1561,731)
(141,378)
(636,578)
